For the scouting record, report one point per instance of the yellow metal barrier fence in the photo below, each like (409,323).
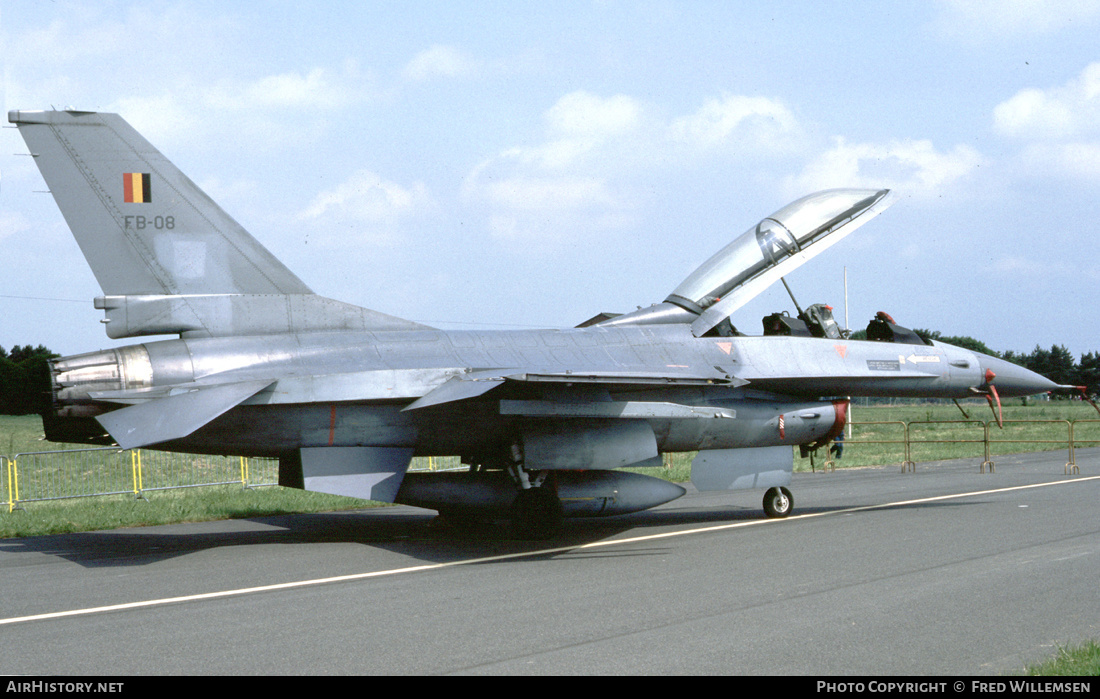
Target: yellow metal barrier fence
(922,432)
(75,473)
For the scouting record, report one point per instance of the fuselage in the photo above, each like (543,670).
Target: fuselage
(352,388)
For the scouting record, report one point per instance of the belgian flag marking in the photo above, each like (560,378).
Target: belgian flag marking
(136,188)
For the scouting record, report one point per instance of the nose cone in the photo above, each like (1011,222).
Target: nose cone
(1013,379)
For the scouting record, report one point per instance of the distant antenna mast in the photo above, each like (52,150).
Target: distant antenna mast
(846,325)
(848,422)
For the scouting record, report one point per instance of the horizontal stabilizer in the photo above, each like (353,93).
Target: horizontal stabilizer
(164,419)
(219,315)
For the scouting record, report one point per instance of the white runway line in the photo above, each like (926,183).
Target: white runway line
(504,557)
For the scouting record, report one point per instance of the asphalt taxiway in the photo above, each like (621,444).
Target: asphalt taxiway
(944,571)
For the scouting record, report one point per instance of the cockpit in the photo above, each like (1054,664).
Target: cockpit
(773,247)
(755,260)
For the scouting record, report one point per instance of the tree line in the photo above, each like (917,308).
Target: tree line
(25,380)
(25,372)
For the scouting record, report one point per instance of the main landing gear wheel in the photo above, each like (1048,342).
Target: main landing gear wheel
(778,502)
(536,513)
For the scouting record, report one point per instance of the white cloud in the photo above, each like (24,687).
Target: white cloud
(1060,126)
(1066,111)
(319,88)
(581,124)
(580,180)
(914,168)
(440,61)
(1019,265)
(564,187)
(365,197)
(753,121)
(532,203)
(584,115)
(178,75)
(163,119)
(263,110)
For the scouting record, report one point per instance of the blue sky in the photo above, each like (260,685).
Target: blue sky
(510,165)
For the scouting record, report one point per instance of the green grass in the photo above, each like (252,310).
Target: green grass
(166,507)
(108,471)
(1077,660)
(23,434)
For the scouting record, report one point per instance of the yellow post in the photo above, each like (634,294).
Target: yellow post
(1071,465)
(988,455)
(244,472)
(908,464)
(13,485)
(135,466)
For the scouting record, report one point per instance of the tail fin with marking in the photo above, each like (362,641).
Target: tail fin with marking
(169,259)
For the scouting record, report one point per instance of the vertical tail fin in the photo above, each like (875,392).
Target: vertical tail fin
(144,227)
(169,260)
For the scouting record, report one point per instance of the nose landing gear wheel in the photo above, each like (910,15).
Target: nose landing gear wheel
(778,502)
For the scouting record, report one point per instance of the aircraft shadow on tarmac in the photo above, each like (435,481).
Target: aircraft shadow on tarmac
(419,534)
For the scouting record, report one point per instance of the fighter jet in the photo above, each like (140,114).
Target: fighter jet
(545,420)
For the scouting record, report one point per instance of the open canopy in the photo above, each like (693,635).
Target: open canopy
(772,248)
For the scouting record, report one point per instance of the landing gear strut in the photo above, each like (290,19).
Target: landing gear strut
(778,502)
(536,512)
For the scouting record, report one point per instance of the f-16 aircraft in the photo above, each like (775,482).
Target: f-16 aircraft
(344,396)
